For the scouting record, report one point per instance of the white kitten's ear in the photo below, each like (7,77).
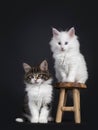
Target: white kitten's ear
(55,32)
(71,32)
(26,67)
(44,66)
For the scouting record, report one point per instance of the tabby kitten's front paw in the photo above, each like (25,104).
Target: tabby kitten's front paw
(34,120)
(43,120)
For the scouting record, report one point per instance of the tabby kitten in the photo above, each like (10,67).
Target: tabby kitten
(38,82)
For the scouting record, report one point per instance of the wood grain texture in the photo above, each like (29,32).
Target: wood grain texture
(60,105)
(69,85)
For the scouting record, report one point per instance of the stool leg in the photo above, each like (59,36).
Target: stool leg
(76,100)
(65,99)
(60,104)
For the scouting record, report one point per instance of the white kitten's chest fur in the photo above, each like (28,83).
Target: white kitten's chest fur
(66,60)
(70,67)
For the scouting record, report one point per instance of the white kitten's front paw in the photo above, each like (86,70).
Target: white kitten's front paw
(34,120)
(70,79)
(63,80)
(43,120)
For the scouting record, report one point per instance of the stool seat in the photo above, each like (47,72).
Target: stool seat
(69,85)
(64,87)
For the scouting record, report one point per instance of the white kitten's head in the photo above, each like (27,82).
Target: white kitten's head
(64,41)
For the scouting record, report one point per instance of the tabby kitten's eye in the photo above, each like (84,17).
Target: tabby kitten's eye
(40,76)
(66,43)
(30,77)
(59,43)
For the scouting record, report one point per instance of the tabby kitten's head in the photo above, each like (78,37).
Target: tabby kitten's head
(37,74)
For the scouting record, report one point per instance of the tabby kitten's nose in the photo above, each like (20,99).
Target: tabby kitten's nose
(35,80)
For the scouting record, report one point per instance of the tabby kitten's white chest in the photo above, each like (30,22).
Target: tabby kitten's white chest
(40,93)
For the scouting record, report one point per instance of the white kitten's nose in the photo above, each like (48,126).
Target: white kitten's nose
(62,49)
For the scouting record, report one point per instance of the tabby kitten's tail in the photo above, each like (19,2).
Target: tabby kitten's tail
(23,120)
(19,120)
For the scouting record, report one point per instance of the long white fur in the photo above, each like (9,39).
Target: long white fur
(70,64)
(38,95)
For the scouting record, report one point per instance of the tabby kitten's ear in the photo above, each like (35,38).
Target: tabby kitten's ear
(26,67)
(44,66)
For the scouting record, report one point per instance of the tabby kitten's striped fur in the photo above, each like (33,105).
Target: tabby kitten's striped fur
(39,90)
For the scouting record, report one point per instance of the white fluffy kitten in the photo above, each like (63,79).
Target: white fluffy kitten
(70,65)
(39,90)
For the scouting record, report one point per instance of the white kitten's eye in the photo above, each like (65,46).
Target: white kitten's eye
(66,43)
(59,43)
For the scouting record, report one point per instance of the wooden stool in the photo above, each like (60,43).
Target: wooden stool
(64,87)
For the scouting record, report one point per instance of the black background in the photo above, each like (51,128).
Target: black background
(25,33)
